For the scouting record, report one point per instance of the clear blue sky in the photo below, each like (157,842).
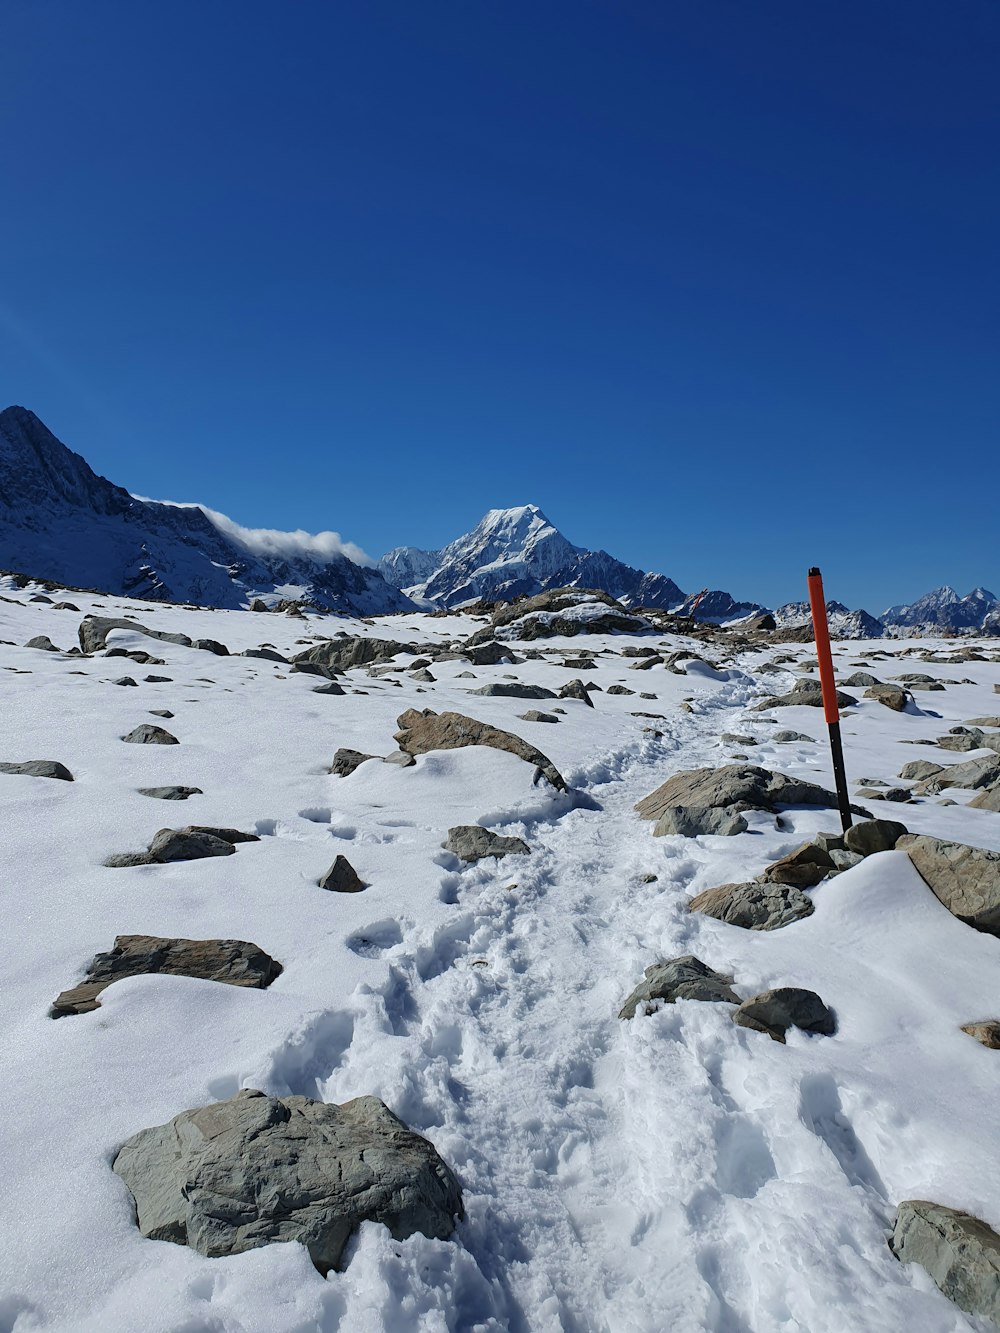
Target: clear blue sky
(713,282)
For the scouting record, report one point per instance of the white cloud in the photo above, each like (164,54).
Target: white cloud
(272,542)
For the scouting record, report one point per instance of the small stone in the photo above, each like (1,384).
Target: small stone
(43,642)
(170,793)
(342,878)
(987,1032)
(147,734)
(331,687)
(125,680)
(160,712)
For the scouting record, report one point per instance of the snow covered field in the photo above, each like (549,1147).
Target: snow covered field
(672,1172)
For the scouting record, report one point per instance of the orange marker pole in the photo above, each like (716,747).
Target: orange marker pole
(824,657)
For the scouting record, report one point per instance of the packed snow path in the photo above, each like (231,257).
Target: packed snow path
(671,1172)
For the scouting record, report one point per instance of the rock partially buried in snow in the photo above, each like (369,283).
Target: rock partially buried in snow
(504,689)
(965,879)
(39,768)
(94,631)
(758,906)
(533,715)
(256,1170)
(988,799)
(342,878)
(891,695)
(685,978)
(775,1011)
(986,1032)
(960,1252)
(170,793)
(575,689)
(802,868)
(690,821)
(148,734)
(423,732)
(346,761)
(234,962)
(735,787)
(331,687)
(874,835)
(472,842)
(192,843)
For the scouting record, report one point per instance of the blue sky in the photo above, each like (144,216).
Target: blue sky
(714,283)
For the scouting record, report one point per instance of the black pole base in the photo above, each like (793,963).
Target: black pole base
(840,776)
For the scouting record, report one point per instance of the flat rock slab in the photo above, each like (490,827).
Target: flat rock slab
(39,768)
(256,1170)
(691,821)
(534,715)
(775,1011)
(170,793)
(148,734)
(423,732)
(733,786)
(965,879)
(685,978)
(234,962)
(757,906)
(960,1252)
(191,843)
(342,878)
(472,842)
(514,690)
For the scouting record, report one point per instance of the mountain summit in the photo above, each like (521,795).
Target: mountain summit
(518,552)
(59,520)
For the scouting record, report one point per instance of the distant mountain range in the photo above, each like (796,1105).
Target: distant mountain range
(59,520)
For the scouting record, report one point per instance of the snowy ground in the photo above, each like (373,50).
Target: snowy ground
(674,1172)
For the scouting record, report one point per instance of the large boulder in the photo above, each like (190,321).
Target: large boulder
(735,787)
(235,962)
(775,1011)
(965,879)
(256,1170)
(472,842)
(960,1252)
(690,821)
(338,655)
(685,978)
(94,631)
(39,768)
(422,732)
(874,835)
(758,906)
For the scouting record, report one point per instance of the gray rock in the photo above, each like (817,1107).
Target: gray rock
(211,646)
(267,654)
(346,761)
(39,768)
(785,737)
(986,1032)
(400,758)
(729,738)
(775,1011)
(338,655)
(160,680)
(311,669)
(94,631)
(969,776)
(256,1170)
(472,842)
(533,715)
(514,690)
(808,694)
(686,978)
(43,642)
(757,906)
(619,689)
(575,689)
(919,769)
(734,786)
(690,821)
(965,879)
(128,680)
(489,653)
(160,712)
(235,962)
(991,721)
(170,793)
(873,835)
(423,732)
(843,859)
(147,734)
(861,680)
(331,687)
(342,878)
(961,1254)
(195,841)
(988,799)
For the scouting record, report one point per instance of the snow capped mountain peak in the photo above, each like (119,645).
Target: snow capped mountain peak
(518,552)
(943,608)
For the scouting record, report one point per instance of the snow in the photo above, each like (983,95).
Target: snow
(672,1172)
